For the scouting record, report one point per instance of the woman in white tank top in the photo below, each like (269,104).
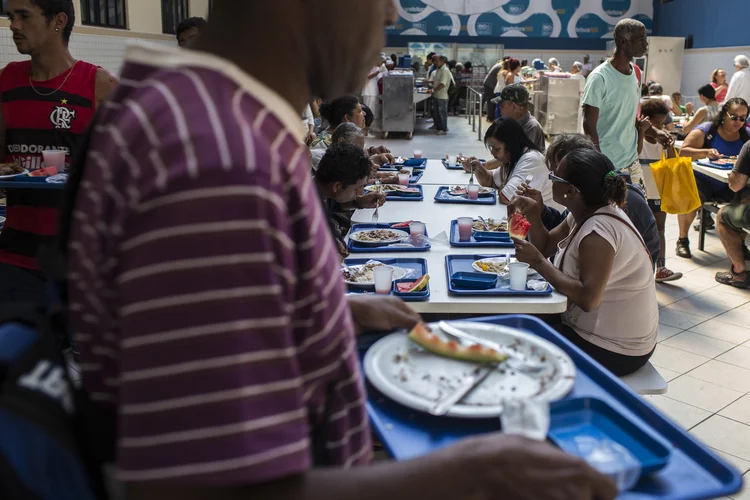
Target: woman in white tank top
(708,113)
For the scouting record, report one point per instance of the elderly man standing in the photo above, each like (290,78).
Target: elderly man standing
(739,86)
(514,103)
(733,220)
(441,84)
(610,102)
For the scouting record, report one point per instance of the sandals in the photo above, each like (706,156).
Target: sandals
(663,274)
(741,280)
(683,248)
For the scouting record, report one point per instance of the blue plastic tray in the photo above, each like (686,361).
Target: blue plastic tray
(420,265)
(473,243)
(593,417)
(407,197)
(415,176)
(24,182)
(693,472)
(442,196)
(717,166)
(457,167)
(462,263)
(355,247)
(414,162)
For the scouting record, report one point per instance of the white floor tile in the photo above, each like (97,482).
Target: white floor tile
(699,344)
(723,331)
(724,375)
(680,319)
(666,332)
(725,435)
(739,410)
(710,302)
(676,360)
(739,356)
(687,416)
(742,465)
(735,317)
(702,394)
(667,374)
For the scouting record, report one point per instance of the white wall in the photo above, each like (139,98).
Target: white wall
(699,63)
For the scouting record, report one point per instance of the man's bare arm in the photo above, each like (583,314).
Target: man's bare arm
(105,83)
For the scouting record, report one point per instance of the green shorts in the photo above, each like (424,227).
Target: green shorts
(736,216)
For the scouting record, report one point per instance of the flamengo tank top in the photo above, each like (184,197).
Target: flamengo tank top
(34,123)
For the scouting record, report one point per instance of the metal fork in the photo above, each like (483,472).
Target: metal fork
(471,181)
(377,206)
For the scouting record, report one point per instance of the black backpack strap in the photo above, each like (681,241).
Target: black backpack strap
(712,131)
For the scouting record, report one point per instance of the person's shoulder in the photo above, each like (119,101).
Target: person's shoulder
(704,127)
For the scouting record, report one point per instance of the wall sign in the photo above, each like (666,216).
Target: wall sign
(518,18)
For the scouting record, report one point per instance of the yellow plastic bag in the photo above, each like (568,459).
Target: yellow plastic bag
(676,184)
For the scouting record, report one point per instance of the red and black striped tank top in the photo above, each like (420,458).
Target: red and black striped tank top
(39,118)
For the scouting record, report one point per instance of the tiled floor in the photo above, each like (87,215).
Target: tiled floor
(704,338)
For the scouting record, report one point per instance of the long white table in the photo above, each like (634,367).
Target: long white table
(437,175)
(438,217)
(714,173)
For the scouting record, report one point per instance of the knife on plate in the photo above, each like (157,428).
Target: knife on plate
(443,405)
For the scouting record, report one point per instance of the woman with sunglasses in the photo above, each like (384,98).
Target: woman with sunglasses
(601,263)
(724,136)
(515,159)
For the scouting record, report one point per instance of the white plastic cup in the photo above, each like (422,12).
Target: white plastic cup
(473,191)
(383,279)
(403,179)
(452,161)
(418,154)
(416,230)
(464,228)
(54,158)
(519,273)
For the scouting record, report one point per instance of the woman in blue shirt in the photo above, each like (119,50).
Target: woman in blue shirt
(722,137)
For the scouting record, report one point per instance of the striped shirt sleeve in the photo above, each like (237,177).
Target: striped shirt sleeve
(210,387)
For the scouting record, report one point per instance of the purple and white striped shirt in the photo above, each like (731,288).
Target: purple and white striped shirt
(204,283)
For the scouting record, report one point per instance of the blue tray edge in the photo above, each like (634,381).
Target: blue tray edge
(486,200)
(474,244)
(487,293)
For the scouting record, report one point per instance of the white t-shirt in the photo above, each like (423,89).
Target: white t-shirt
(371,87)
(739,86)
(652,153)
(581,82)
(627,320)
(533,163)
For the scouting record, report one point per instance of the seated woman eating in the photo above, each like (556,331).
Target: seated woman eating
(601,264)
(349,132)
(724,136)
(341,178)
(515,158)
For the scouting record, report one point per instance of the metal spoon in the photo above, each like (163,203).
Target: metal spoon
(484,223)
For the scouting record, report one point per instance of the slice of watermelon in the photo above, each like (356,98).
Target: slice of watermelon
(422,336)
(401,224)
(414,286)
(519,227)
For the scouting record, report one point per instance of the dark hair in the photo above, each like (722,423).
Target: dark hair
(656,89)
(369,116)
(51,8)
(335,111)
(654,107)
(344,163)
(563,144)
(467,65)
(644,90)
(725,109)
(524,62)
(590,172)
(513,64)
(189,23)
(511,134)
(707,91)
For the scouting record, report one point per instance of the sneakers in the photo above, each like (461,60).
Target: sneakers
(663,274)
(708,222)
(741,280)
(683,248)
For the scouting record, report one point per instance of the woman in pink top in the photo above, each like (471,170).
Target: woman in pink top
(719,83)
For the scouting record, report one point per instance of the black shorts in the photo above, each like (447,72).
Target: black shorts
(736,216)
(654,205)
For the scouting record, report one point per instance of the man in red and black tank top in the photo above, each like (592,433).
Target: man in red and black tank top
(46,103)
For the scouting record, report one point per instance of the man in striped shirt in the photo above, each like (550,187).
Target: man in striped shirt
(204,284)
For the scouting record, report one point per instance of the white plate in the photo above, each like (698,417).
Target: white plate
(482,191)
(409,375)
(25,171)
(402,235)
(398,273)
(392,188)
(490,260)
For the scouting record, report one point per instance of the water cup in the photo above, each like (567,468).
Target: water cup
(416,229)
(54,158)
(452,161)
(383,279)
(403,179)
(418,154)
(528,418)
(519,273)
(473,191)
(464,228)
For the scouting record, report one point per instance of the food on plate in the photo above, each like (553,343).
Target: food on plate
(400,160)
(414,286)
(423,336)
(376,235)
(492,266)
(44,172)
(401,225)
(519,226)
(463,190)
(361,274)
(494,225)
(11,169)
(724,161)
(404,171)
(392,188)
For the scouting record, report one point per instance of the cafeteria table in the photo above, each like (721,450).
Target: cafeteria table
(436,174)
(714,173)
(437,218)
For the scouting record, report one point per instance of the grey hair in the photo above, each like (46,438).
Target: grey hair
(347,132)
(742,61)
(627,28)
(563,144)
(578,66)
(656,89)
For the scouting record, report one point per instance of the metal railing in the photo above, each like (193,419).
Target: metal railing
(473,110)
